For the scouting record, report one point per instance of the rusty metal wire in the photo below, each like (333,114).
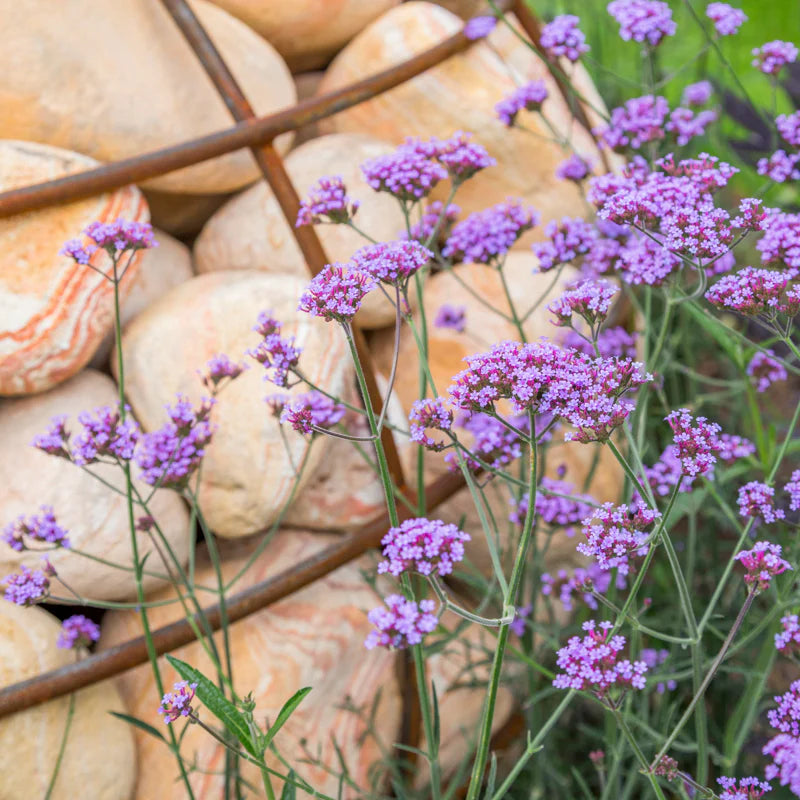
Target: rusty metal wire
(255,133)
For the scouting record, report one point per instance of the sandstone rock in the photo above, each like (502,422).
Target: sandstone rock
(138,87)
(447,349)
(160,269)
(53,313)
(95,516)
(182,215)
(99,759)
(307,33)
(247,475)
(312,638)
(250,232)
(460,94)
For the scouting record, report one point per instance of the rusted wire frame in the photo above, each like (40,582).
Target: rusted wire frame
(274,171)
(245,134)
(111,662)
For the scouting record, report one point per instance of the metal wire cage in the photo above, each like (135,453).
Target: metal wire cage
(257,134)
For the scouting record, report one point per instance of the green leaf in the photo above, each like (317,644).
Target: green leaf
(216,702)
(717,330)
(138,723)
(288,709)
(289,789)
(436,723)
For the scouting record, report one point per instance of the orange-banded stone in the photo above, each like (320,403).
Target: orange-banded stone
(54,313)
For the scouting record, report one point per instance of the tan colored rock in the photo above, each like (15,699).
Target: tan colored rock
(307,32)
(250,231)
(95,516)
(463,8)
(312,638)
(182,215)
(447,349)
(99,760)
(247,476)
(54,313)
(460,94)
(160,269)
(138,87)
(306,85)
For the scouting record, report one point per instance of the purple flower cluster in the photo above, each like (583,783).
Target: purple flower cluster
(78,631)
(780,244)
(638,121)
(754,292)
(40,527)
(786,717)
(611,342)
(113,237)
(479,27)
(220,368)
(696,440)
(409,173)
(311,410)
(643,261)
(327,202)
(565,242)
(697,94)
(792,488)
(780,166)
(593,662)
(573,168)
(667,472)
(435,219)
(582,582)
(762,563)
(528,97)
(401,622)
(540,376)
(727,20)
(556,505)
(685,124)
(789,636)
(169,455)
(772,57)
(743,788)
(274,352)
(485,236)
(614,533)
(589,299)
(452,317)
(433,414)
(336,293)
(644,21)
(785,766)
(105,435)
(493,442)
(461,157)
(28,587)
(392,262)
(178,702)
(427,546)
(517,626)
(764,370)
(563,37)
(789,128)
(757,500)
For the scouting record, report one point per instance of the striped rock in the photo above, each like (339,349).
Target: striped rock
(138,87)
(307,32)
(99,759)
(53,313)
(247,475)
(250,231)
(312,638)
(160,269)
(95,516)
(447,349)
(460,94)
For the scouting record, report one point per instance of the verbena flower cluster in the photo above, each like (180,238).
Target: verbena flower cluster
(392,262)
(615,533)
(401,622)
(178,702)
(528,97)
(644,21)
(327,202)
(311,410)
(78,631)
(335,293)
(114,237)
(427,546)
(275,352)
(29,586)
(762,563)
(37,528)
(429,414)
(757,500)
(563,37)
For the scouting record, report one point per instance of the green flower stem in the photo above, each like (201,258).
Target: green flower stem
(138,566)
(479,765)
(700,691)
(637,751)
(462,612)
(388,489)
(514,316)
(62,747)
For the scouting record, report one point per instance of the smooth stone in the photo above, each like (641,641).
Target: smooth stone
(460,94)
(54,313)
(247,476)
(307,32)
(138,87)
(99,759)
(306,85)
(183,215)
(160,269)
(250,231)
(312,638)
(95,516)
